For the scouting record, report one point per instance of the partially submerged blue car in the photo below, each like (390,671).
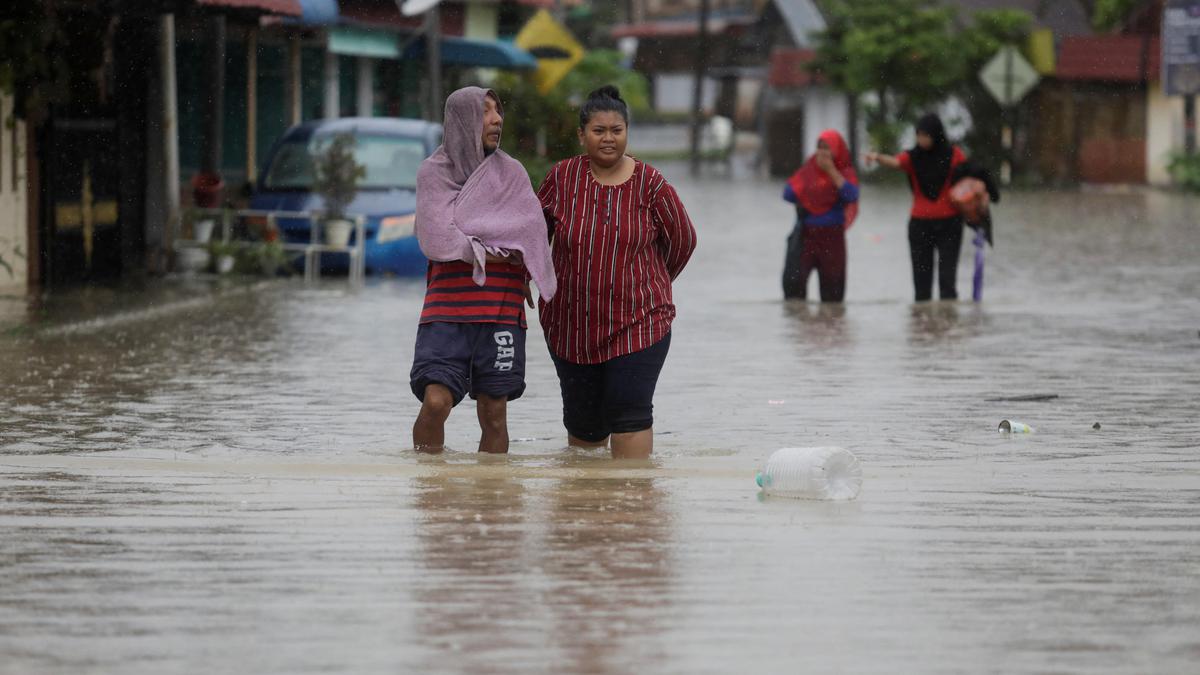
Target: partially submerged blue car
(390,149)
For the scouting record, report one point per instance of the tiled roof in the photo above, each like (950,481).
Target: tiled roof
(788,68)
(1109,58)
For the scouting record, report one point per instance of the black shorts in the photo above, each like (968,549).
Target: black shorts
(613,397)
(470,358)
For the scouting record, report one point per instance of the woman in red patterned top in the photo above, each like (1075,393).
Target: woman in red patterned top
(619,236)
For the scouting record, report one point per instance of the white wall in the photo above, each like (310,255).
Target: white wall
(13,216)
(673,92)
(1164,132)
(824,109)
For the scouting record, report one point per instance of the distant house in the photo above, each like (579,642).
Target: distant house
(665,34)
(1105,119)
(756,68)
(1099,115)
(797,106)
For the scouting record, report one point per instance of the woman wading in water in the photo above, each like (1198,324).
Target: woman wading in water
(619,236)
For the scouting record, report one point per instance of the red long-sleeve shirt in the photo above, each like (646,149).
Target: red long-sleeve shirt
(924,207)
(616,249)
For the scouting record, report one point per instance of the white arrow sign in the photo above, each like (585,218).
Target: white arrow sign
(1008,76)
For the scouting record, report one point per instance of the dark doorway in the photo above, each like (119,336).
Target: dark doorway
(81,233)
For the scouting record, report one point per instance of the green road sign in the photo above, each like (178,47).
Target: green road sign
(1008,76)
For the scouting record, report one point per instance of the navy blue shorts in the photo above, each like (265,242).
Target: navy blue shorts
(470,358)
(614,397)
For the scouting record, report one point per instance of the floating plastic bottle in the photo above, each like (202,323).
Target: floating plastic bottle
(1011,427)
(811,473)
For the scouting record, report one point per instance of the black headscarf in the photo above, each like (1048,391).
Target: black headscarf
(932,166)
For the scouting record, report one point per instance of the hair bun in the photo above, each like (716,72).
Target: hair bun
(607,91)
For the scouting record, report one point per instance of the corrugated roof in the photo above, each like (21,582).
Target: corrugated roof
(280,7)
(686,25)
(802,18)
(1110,58)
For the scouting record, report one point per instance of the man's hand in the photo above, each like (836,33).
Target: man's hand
(512,257)
(528,294)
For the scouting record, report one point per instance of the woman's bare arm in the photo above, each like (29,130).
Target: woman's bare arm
(890,161)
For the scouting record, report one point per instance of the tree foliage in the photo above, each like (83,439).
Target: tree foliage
(989,32)
(903,52)
(31,62)
(908,55)
(554,116)
(1109,14)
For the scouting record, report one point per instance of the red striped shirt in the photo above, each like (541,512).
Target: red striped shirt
(616,249)
(451,294)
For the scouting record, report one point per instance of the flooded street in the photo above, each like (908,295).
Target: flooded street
(217,476)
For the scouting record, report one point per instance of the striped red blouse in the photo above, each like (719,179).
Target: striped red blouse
(451,294)
(616,249)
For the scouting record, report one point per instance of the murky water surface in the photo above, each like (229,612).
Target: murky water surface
(218,479)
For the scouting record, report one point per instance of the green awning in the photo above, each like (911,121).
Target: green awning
(361,42)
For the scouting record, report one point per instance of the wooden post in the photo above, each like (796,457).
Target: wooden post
(294,107)
(433,51)
(333,102)
(698,89)
(214,110)
(1189,124)
(252,106)
(364,104)
(169,129)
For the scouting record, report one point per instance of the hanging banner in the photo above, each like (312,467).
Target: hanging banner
(1181,48)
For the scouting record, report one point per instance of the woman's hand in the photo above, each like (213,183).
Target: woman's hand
(882,159)
(825,163)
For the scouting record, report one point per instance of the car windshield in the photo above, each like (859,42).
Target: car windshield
(390,161)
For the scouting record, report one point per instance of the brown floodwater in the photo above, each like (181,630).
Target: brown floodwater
(216,475)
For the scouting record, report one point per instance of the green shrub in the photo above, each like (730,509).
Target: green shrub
(1185,170)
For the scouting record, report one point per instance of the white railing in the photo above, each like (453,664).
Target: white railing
(312,249)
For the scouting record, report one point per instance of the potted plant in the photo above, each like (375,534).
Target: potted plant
(336,176)
(271,259)
(224,255)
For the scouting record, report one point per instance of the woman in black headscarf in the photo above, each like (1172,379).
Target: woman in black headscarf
(934,223)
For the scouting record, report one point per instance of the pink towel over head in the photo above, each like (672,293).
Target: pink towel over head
(469,203)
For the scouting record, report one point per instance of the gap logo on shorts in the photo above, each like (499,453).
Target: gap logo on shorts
(470,359)
(505,351)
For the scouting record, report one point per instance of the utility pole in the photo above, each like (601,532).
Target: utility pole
(698,90)
(433,52)
(214,112)
(1189,125)
(432,29)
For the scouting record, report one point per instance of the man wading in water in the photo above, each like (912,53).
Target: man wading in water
(481,226)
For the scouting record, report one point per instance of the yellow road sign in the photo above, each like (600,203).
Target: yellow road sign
(555,49)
